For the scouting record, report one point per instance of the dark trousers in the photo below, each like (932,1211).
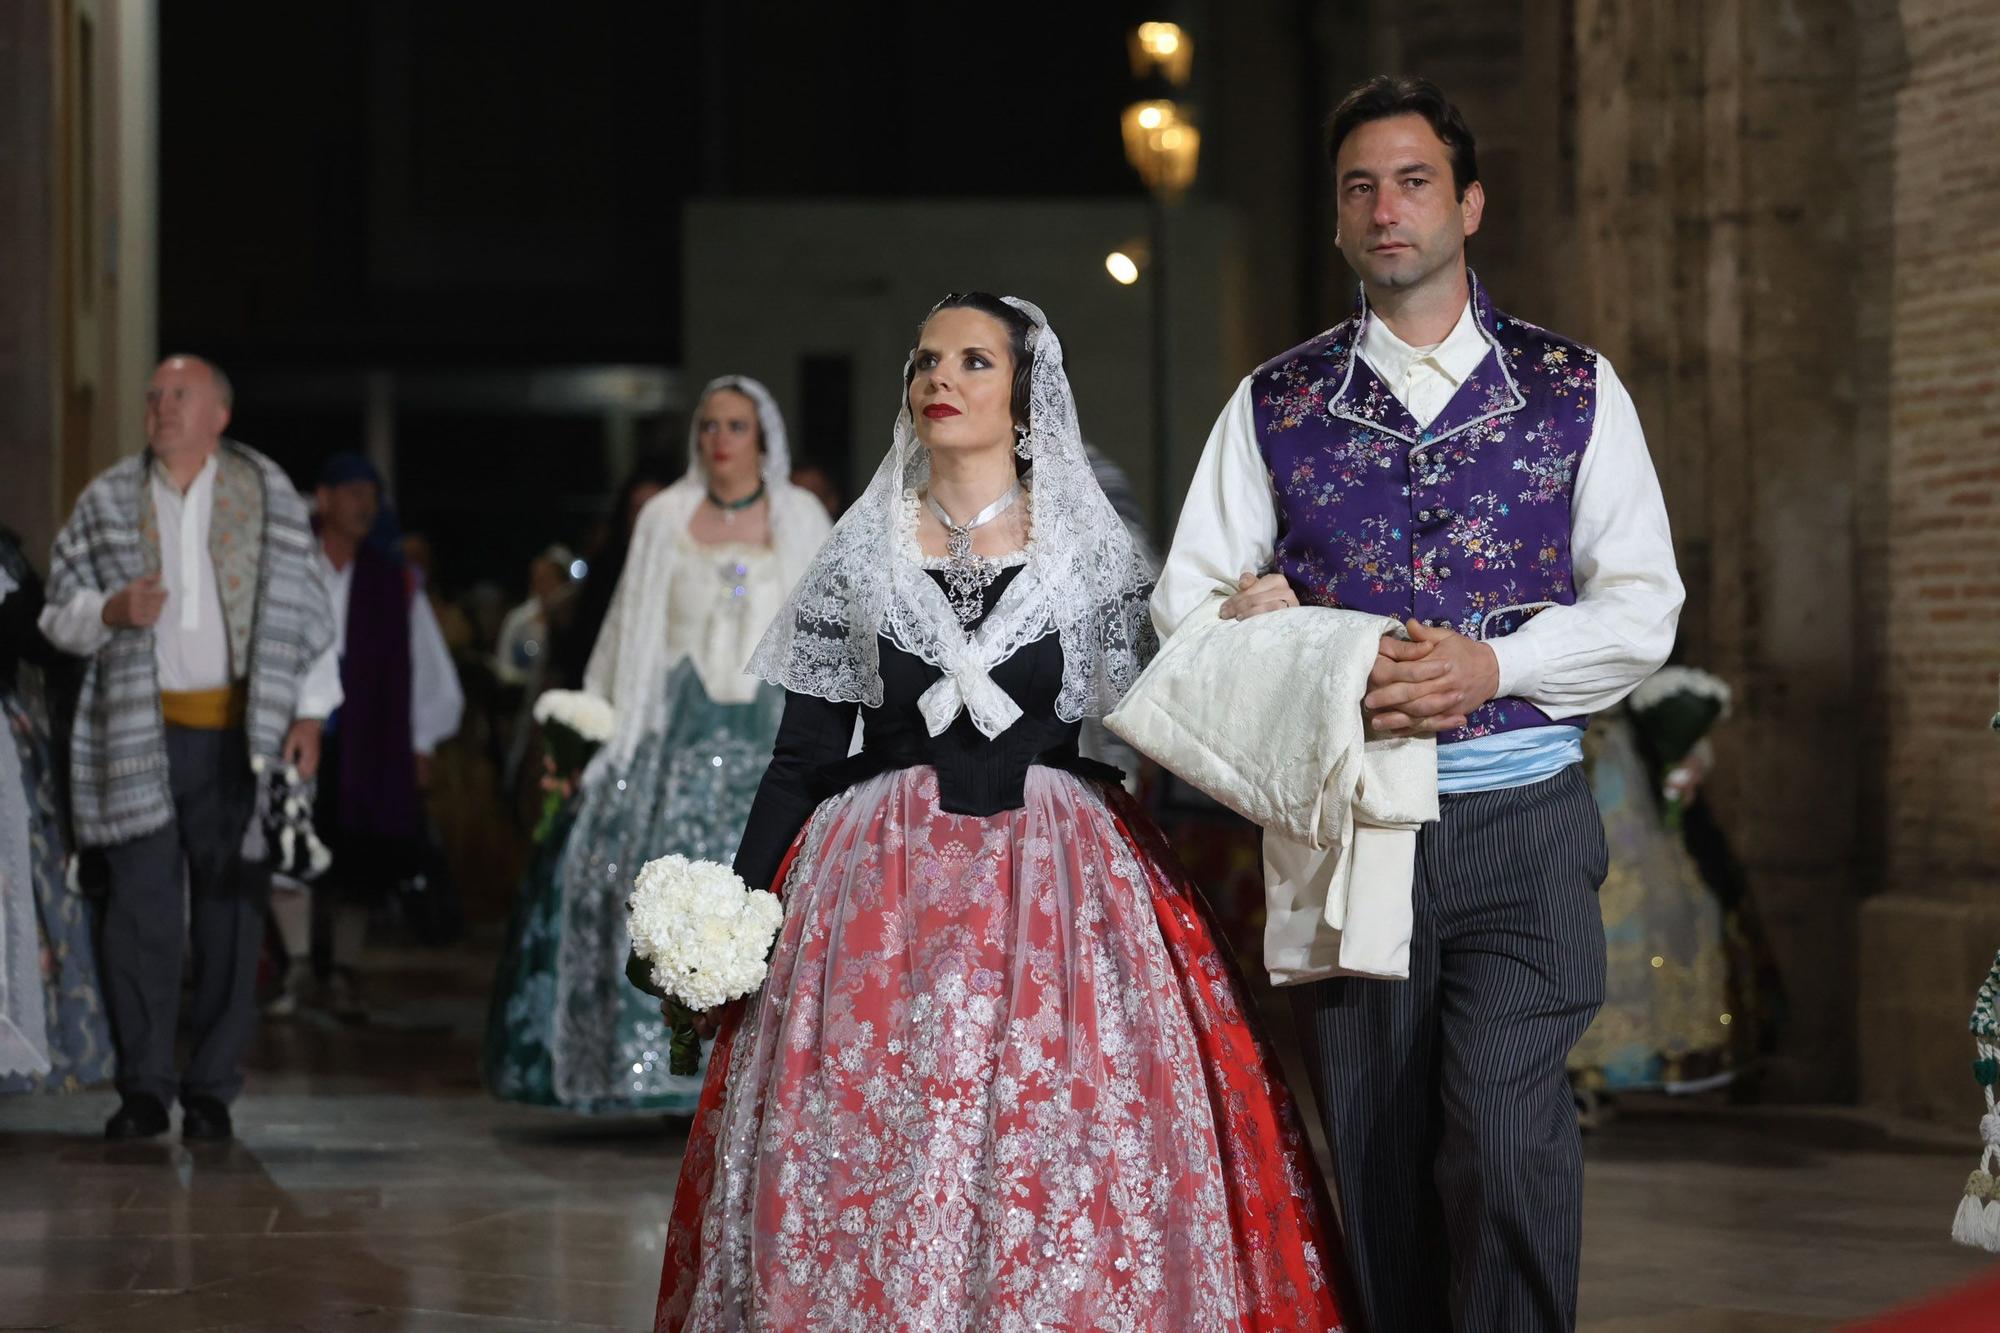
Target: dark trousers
(366,866)
(141,926)
(1454,1135)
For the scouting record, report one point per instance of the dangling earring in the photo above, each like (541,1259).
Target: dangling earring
(1021,446)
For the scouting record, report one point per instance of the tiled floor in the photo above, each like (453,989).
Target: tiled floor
(373,1187)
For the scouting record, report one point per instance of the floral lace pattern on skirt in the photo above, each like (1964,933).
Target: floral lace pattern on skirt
(1000,1077)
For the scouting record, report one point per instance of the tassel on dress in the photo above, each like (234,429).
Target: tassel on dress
(1977,1222)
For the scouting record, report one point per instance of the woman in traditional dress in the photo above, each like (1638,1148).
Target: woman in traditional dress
(712,559)
(53,1032)
(1664,1024)
(1690,993)
(1001,1074)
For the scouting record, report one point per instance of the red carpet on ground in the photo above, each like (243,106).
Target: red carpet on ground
(1969,1309)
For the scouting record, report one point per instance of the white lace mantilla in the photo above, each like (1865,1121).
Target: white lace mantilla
(635,648)
(1082,578)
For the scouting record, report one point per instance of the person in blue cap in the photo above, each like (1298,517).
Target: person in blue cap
(401,700)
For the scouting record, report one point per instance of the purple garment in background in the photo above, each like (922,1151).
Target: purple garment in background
(378,779)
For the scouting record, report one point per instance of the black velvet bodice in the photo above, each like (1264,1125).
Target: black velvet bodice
(976,776)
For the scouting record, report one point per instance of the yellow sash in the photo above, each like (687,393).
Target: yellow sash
(206,710)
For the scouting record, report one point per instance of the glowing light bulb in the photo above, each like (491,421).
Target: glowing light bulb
(1121,267)
(1162,50)
(1160,39)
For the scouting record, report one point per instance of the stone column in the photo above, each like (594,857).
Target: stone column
(78,263)
(1930,929)
(27,267)
(1713,265)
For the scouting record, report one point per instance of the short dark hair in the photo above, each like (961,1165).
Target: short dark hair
(1388,95)
(1018,327)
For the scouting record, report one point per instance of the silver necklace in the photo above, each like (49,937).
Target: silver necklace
(968,576)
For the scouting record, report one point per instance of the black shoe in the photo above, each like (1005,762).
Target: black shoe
(204,1119)
(141,1117)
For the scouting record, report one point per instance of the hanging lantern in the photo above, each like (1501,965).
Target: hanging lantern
(1161,146)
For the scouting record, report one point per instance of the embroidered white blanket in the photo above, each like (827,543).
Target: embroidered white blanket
(1264,715)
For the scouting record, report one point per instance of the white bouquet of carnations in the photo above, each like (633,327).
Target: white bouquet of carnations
(588,717)
(705,937)
(1674,709)
(575,724)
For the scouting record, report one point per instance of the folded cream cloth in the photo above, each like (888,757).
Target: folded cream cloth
(1264,715)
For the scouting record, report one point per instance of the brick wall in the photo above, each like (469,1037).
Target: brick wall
(1783,238)
(1931,927)
(27,292)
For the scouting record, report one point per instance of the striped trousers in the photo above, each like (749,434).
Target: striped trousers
(1457,1162)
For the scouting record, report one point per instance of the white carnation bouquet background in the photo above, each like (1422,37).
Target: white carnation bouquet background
(703,937)
(575,725)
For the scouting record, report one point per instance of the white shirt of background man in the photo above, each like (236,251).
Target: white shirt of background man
(437,703)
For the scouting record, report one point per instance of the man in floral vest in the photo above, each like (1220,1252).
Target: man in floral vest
(1486,481)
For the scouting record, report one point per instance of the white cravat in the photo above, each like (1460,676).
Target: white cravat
(1424,378)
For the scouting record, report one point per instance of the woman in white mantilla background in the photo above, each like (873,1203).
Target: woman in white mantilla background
(713,557)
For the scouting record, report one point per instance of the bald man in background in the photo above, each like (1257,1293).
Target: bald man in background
(187,579)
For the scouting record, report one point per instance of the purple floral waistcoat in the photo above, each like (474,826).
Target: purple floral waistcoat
(1464,523)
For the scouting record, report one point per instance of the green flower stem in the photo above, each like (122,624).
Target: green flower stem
(552,806)
(1672,814)
(683,1047)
